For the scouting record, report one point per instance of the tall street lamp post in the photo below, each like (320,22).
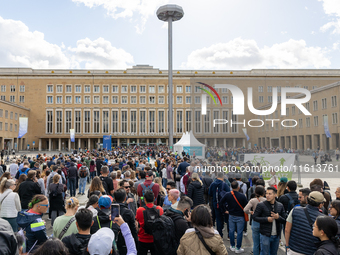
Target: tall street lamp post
(170,13)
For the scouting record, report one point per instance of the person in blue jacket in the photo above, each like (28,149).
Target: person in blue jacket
(31,222)
(214,190)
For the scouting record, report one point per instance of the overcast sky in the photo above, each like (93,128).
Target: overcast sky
(214,34)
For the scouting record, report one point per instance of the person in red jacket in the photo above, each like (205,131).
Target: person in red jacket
(146,241)
(148,183)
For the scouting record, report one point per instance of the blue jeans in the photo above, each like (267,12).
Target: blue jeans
(236,223)
(164,182)
(92,175)
(255,227)
(82,185)
(219,220)
(72,187)
(269,245)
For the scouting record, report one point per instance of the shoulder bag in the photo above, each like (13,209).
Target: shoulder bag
(246,217)
(198,233)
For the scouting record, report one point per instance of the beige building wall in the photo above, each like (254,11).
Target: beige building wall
(47,92)
(9,125)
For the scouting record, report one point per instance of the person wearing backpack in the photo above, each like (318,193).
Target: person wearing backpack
(290,199)
(180,217)
(106,180)
(145,216)
(23,170)
(83,174)
(120,196)
(214,191)
(147,185)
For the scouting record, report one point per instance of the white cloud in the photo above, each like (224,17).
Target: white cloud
(127,9)
(335,46)
(20,47)
(332,8)
(246,54)
(313,32)
(99,54)
(283,32)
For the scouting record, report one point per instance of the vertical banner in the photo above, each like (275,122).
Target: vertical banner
(23,124)
(72,135)
(325,126)
(245,133)
(107,142)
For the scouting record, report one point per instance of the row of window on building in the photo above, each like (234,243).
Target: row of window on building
(10,127)
(12,88)
(12,98)
(299,123)
(124,88)
(133,99)
(10,114)
(124,121)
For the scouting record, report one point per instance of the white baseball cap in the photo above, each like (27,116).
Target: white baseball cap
(101,242)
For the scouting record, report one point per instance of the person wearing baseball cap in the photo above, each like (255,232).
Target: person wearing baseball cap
(103,218)
(299,225)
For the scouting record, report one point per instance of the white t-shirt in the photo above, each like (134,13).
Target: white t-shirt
(164,176)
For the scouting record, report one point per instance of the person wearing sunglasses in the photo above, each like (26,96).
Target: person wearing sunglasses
(31,221)
(130,198)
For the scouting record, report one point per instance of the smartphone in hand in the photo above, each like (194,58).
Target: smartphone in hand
(114,211)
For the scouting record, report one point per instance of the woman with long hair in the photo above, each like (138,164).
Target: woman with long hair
(334,210)
(161,188)
(92,204)
(250,209)
(71,206)
(196,190)
(96,184)
(281,187)
(190,243)
(57,206)
(31,221)
(41,182)
(6,175)
(9,202)
(326,229)
(21,179)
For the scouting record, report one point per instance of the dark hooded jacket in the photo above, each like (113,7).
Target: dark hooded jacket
(8,242)
(76,243)
(34,227)
(196,193)
(72,171)
(181,224)
(102,220)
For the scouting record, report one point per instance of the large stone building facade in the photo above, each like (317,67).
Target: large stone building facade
(132,106)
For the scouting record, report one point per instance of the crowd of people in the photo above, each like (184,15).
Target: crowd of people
(145,200)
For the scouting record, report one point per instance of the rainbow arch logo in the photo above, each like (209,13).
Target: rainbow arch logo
(204,97)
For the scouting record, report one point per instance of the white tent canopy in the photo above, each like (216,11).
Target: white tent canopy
(189,144)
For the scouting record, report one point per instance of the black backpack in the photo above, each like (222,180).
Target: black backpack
(164,236)
(105,186)
(150,215)
(291,203)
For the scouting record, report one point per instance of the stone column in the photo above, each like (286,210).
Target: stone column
(225,142)
(69,144)
(147,141)
(215,142)
(89,144)
(59,144)
(234,142)
(79,143)
(40,144)
(128,141)
(49,144)
(137,141)
(244,142)
(118,141)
